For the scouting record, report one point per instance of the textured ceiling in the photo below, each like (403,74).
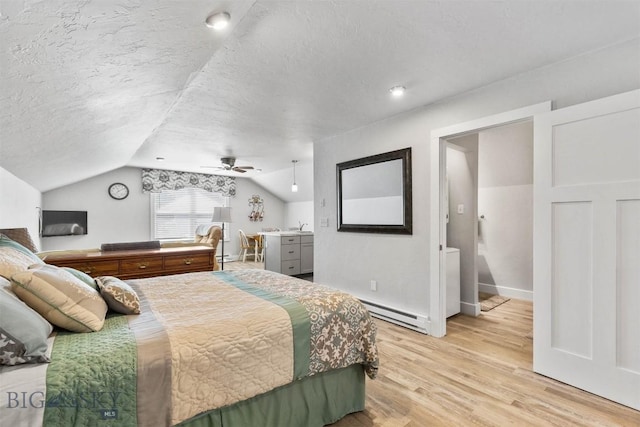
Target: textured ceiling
(91,86)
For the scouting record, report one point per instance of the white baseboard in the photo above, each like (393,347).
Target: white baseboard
(470,309)
(506,291)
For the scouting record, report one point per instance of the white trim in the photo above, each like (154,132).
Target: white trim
(470,309)
(437,231)
(506,291)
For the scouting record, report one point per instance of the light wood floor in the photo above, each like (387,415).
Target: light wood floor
(479,374)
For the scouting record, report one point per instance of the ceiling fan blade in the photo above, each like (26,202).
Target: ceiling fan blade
(245,167)
(237,169)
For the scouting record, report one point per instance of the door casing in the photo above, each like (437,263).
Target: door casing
(437,224)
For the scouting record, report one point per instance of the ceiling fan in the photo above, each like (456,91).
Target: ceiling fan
(228,164)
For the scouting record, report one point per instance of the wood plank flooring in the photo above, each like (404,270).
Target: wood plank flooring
(479,374)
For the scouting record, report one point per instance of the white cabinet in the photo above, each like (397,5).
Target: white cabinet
(288,253)
(453,281)
(306,254)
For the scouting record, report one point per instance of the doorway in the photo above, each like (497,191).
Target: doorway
(489,178)
(586,192)
(438,222)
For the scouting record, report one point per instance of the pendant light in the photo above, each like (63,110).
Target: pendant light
(294,186)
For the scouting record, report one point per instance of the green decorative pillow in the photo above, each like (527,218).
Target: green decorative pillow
(14,257)
(61,298)
(23,332)
(83,276)
(119,296)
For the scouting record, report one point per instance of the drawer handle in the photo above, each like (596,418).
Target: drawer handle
(188,261)
(290,252)
(142,266)
(291,268)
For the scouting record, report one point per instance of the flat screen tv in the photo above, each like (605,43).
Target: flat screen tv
(64,223)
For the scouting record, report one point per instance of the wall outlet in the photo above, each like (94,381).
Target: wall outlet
(374,285)
(460,209)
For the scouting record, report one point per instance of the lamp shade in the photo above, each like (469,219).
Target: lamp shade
(221,214)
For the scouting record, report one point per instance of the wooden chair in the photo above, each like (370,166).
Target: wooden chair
(260,243)
(246,249)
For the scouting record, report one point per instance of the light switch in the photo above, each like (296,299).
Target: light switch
(461,209)
(324,222)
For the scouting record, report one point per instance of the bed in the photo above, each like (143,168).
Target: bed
(231,348)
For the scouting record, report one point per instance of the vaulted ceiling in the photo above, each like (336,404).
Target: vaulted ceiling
(88,87)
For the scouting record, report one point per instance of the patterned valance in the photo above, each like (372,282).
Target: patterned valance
(157,180)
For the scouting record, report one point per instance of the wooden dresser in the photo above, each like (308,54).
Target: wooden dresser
(138,263)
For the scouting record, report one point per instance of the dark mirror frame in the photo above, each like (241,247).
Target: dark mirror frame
(405,228)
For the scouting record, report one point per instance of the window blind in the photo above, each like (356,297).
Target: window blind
(177,213)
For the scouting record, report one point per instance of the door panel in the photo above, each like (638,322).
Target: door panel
(587,246)
(628,285)
(571,279)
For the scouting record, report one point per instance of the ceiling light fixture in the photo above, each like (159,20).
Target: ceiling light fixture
(397,91)
(294,186)
(218,21)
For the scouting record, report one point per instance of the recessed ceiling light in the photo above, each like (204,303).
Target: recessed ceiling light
(218,21)
(397,91)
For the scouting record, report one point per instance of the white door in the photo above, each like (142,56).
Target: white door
(587,247)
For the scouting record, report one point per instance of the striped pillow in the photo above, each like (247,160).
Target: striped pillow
(61,298)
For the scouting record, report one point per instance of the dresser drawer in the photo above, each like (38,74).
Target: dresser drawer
(92,268)
(187,262)
(289,252)
(291,267)
(290,240)
(140,265)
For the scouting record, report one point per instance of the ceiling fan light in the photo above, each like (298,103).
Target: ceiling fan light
(218,21)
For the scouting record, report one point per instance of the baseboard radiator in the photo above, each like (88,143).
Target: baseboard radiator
(409,320)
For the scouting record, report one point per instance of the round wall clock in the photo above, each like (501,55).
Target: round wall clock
(118,191)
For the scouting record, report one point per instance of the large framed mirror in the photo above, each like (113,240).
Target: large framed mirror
(374,193)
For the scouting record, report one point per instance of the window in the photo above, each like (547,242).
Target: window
(175,214)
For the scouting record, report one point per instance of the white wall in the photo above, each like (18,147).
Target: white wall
(462,170)
(400,263)
(108,220)
(19,203)
(297,213)
(128,220)
(274,212)
(505,198)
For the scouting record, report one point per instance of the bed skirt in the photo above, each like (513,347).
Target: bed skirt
(313,401)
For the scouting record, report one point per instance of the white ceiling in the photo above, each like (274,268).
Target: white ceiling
(91,86)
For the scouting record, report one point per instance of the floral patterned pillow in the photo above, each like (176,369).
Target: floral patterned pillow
(119,296)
